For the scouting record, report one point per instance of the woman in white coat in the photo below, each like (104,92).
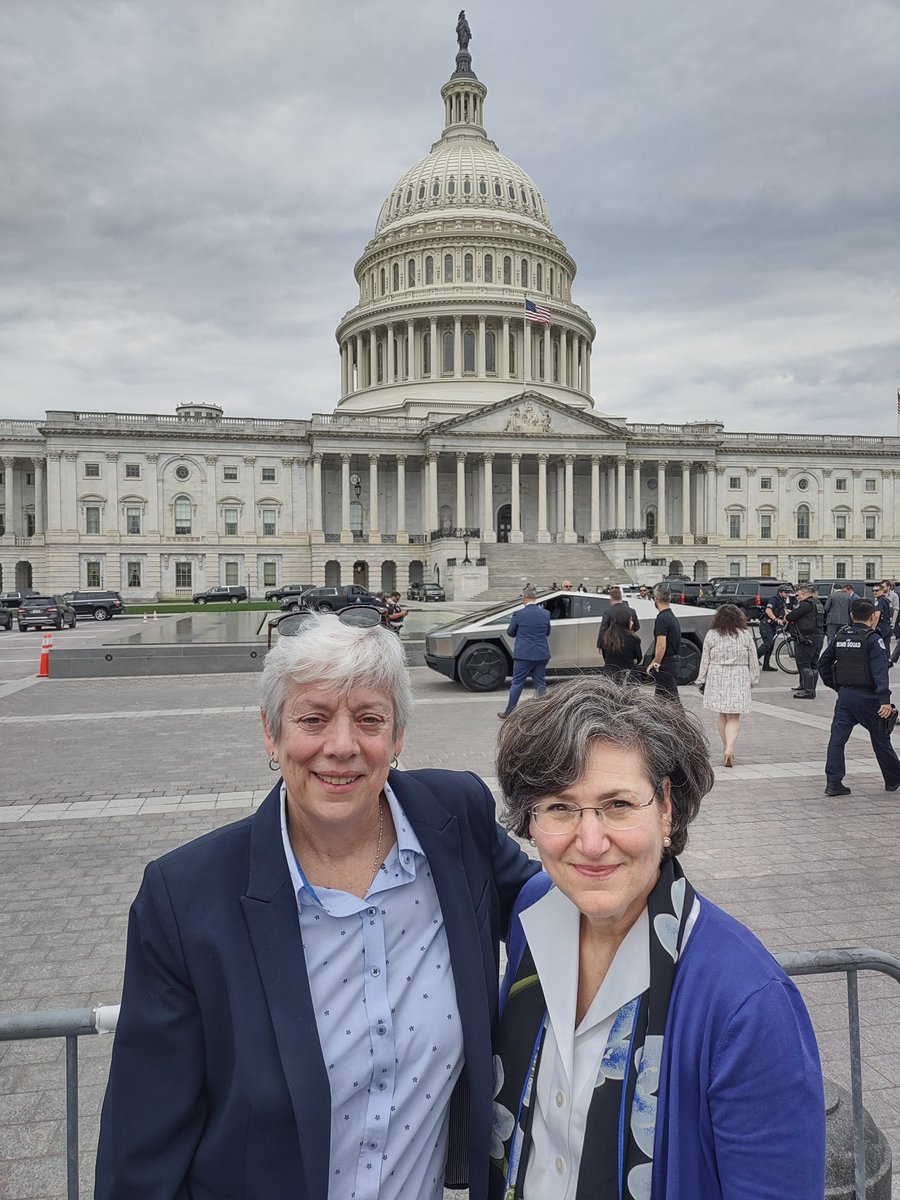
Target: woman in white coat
(728,670)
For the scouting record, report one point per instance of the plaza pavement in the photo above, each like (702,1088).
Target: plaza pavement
(98,777)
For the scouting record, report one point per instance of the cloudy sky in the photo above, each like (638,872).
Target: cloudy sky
(185,186)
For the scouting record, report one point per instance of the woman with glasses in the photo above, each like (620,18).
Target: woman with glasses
(649,1048)
(309,993)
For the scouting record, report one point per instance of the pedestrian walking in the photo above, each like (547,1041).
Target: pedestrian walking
(666,644)
(621,648)
(530,626)
(616,599)
(837,609)
(855,665)
(729,667)
(806,623)
(885,625)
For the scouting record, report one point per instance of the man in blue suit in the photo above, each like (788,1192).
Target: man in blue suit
(530,626)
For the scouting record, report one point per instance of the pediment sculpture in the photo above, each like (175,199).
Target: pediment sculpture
(526,418)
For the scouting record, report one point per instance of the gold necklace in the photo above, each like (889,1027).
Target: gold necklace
(377,864)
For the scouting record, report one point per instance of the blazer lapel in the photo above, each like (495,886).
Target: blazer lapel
(270,909)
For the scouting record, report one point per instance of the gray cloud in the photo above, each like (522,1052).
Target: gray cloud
(186,186)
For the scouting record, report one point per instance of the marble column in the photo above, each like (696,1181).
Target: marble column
(373,358)
(10,524)
(560,499)
(480,367)
(548,355)
(711,501)
(543,533)
(856,516)
(70,493)
(515,532)
(587,367)
(461,489)
(431,488)
(488,532)
(212,524)
(686,530)
(39,522)
(374,523)
(661,531)
(569,534)
(154,520)
(317,531)
(504,350)
(344,388)
(358,382)
(563,359)
(412,364)
(402,533)
(457,347)
(54,499)
(621,519)
(594,534)
(435,372)
(391,374)
(636,522)
(346,531)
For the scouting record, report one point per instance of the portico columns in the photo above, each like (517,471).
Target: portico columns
(587,366)
(488,532)
(569,534)
(54,495)
(318,533)
(620,494)
(344,349)
(153,520)
(38,495)
(373,358)
(10,524)
(686,531)
(402,534)
(504,350)
(595,499)
(515,533)
(563,359)
(70,499)
(390,352)
(346,531)
(460,489)
(374,526)
(431,486)
(210,496)
(661,531)
(412,362)
(434,349)
(636,522)
(357,384)
(560,499)
(457,347)
(480,368)
(711,500)
(543,533)
(548,357)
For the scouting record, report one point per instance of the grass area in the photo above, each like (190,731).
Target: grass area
(182,606)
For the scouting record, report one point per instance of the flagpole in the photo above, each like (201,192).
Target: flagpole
(525,349)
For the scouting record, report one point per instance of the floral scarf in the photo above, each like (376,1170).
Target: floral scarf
(617,1155)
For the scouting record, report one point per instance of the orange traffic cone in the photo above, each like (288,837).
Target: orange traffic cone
(145,618)
(44,668)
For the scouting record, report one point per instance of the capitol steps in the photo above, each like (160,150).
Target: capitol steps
(511,565)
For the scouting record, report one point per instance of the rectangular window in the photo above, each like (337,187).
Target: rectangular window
(268,522)
(133,519)
(231,574)
(92,470)
(183,575)
(231,521)
(29,478)
(92,574)
(230,474)
(29,524)
(92,519)
(765,483)
(133,574)
(803,572)
(734,525)
(183,516)
(871,571)
(765,570)
(133,471)
(870,485)
(871,527)
(734,570)
(269,575)
(840,485)
(840,527)
(765,525)
(734,483)
(840,570)
(268,474)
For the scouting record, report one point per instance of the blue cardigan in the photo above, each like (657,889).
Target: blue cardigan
(741,1111)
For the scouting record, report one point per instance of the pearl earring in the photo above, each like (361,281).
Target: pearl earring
(667,842)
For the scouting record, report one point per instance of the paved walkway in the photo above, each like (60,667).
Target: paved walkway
(97,777)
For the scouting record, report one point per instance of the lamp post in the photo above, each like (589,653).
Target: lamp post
(644,554)
(466,561)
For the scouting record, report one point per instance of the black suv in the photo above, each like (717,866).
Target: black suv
(684,591)
(332,599)
(221,595)
(824,587)
(35,611)
(99,605)
(288,589)
(14,599)
(752,595)
(6,618)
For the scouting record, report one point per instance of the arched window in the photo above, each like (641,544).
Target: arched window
(539,277)
(524,269)
(451,186)
(507,271)
(556,362)
(448,353)
(409,195)
(397,203)
(650,522)
(421,193)
(541,363)
(469,352)
(183,515)
(468,268)
(379,356)
(511,191)
(490,353)
(467,186)
(482,186)
(489,268)
(512,353)
(395,277)
(429,269)
(524,197)
(436,188)
(803,521)
(448,268)
(426,353)
(533,200)
(382,279)
(498,189)
(552,281)
(411,273)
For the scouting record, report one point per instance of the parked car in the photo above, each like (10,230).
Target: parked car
(99,605)
(684,591)
(6,618)
(14,599)
(36,611)
(425,591)
(332,599)
(221,595)
(477,652)
(750,594)
(824,587)
(288,589)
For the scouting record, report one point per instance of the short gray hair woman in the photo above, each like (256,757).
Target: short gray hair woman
(649,1045)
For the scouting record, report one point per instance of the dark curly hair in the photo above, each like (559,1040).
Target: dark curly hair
(729,619)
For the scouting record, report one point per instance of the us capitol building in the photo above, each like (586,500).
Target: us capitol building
(464,448)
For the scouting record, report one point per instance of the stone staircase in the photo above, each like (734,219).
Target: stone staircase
(510,566)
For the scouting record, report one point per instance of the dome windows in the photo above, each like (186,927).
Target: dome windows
(422,189)
(489,268)
(382,279)
(498,189)
(409,196)
(482,186)
(523,272)
(436,188)
(395,277)
(467,186)
(490,352)
(507,271)
(448,353)
(429,270)
(448,268)
(511,192)
(524,197)
(469,352)
(552,281)
(539,277)
(468,268)
(411,273)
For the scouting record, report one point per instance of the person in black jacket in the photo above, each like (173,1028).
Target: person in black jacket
(806,623)
(622,650)
(615,600)
(855,665)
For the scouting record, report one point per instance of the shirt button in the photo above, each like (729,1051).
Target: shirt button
(382,1086)
(381,1031)
(373,1145)
(560,1099)
(560,1166)
(371,912)
(376,971)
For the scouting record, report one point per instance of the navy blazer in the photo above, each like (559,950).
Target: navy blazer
(217,1087)
(530,626)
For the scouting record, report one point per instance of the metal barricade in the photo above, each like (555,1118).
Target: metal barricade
(71,1024)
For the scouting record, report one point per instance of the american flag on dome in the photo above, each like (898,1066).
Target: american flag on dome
(537,312)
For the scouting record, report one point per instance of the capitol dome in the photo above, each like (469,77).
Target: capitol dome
(462,240)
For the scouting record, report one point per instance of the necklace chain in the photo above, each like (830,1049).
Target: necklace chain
(377,864)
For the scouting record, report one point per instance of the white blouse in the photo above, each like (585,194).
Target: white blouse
(571,1057)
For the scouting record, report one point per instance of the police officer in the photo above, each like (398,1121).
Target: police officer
(885,625)
(855,665)
(768,623)
(396,613)
(806,623)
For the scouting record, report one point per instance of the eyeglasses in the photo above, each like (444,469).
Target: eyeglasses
(558,817)
(362,616)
